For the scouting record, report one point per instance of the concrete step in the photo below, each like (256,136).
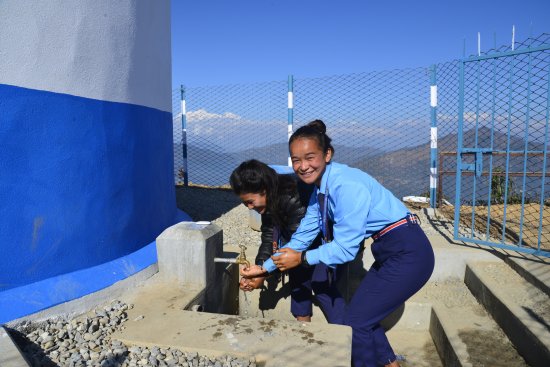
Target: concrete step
(469,337)
(463,332)
(521,309)
(536,270)
(415,348)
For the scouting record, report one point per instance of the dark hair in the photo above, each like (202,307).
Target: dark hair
(255,177)
(316,129)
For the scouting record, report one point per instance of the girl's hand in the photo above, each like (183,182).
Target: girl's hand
(286,258)
(248,285)
(253,271)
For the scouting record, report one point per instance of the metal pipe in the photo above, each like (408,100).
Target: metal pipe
(225,260)
(241,259)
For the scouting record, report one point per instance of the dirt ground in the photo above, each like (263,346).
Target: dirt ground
(211,203)
(529,228)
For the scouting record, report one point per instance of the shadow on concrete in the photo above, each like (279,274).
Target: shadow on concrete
(536,317)
(270,295)
(32,352)
(205,203)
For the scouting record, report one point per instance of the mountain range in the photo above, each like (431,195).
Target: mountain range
(404,172)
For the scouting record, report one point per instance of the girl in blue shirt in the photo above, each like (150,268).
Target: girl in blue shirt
(359,207)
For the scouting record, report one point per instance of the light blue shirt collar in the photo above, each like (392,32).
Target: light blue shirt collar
(324,179)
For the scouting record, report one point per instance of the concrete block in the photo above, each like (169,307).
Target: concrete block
(186,253)
(430,213)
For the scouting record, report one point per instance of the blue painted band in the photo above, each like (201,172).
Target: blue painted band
(31,298)
(83,182)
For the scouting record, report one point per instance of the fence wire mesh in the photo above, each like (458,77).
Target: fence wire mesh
(448,104)
(505,111)
(379,122)
(227,125)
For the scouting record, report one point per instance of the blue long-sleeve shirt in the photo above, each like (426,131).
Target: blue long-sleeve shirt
(358,206)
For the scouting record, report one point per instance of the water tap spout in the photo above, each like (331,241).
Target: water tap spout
(241,259)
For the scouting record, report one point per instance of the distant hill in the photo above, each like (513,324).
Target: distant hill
(205,166)
(278,153)
(271,154)
(405,171)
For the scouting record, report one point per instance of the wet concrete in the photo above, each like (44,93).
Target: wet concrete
(159,318)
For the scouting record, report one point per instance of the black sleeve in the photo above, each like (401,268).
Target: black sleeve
(295,211)
(304,191)
(304,195)
(266,247)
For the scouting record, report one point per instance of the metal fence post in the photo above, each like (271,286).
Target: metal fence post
(184,137)
(290,110)
(459,146)
(433,140)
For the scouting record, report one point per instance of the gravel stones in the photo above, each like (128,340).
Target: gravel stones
(86,341)
(222,207)
(236,230)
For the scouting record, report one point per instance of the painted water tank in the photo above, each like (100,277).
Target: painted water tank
(85,137)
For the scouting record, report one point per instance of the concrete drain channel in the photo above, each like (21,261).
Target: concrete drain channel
(191,313)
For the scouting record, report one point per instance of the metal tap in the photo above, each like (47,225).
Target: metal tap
(241,259)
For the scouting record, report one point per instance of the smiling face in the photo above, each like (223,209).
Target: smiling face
(308,160)
(255,202)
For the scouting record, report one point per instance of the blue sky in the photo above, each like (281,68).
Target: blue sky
(216,42)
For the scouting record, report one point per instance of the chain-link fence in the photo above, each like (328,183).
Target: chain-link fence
(228,124)
(379,122)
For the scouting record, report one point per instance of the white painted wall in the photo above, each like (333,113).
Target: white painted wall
(100,49)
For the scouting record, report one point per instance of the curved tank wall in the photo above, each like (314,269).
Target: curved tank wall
(85,137)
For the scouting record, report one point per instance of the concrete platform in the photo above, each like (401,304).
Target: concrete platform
(10,355)
(466,336)
(159,319)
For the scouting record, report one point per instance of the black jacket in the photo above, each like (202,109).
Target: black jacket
(292,208)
